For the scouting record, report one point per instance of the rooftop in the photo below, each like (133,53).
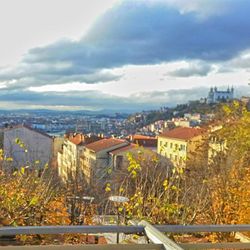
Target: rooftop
(81,139)
(28,128)
(143,140)
(123,149)
(105,144)
(141,137)
(182,133)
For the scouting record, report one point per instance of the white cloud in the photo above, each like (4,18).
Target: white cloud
(28,23)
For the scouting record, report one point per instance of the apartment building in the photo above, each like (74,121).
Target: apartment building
(68,158)
(96,160)
(179,143)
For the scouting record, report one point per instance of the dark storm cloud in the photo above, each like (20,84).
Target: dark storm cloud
(138,33)
(86,99)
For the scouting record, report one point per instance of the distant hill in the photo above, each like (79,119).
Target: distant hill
(97,113)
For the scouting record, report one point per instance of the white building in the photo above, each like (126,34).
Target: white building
(215,96)
(68,157)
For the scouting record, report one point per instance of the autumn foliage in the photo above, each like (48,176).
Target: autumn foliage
(202,192)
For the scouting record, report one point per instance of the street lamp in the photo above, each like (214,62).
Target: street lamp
(117,201)
(87,200)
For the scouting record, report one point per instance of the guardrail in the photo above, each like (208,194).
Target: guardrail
(155,233)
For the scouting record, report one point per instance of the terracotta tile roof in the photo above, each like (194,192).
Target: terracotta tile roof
(182,133)
(140,137)
(143,140)
(123,149)
(105,144)
(81,139)
(76,139)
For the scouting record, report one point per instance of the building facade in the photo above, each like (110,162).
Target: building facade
(68,158)
(178,144)
(215,96)
(96,158)
(27,147)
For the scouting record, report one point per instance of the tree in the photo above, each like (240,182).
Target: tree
(230,183)
(157,190)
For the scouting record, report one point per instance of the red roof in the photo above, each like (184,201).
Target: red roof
(76,139)
(143,140)
(140,137)
(105,144)
(81,139)
(182,133)
(123,149)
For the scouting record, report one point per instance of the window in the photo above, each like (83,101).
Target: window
(176,146)
(181,160)
(175,157)
(171,145)
(160,143)
(182,147)
(166,144)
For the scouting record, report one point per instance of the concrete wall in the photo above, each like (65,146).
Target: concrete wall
(37,148)
(97,163)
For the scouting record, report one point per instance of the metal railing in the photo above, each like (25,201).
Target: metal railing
(155,234)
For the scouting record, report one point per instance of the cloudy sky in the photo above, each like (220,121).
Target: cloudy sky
(122,55)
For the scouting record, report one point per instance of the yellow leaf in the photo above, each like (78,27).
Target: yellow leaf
(34,201)
(22,170)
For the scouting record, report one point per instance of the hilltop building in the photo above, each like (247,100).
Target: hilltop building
(179,143)
(215,96)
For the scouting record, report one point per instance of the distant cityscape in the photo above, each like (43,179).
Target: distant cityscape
(125,124)
(57,123)
(82,143)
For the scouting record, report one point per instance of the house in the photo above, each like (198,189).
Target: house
(26,147)
(178,144)
(68,158)
(95,160)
